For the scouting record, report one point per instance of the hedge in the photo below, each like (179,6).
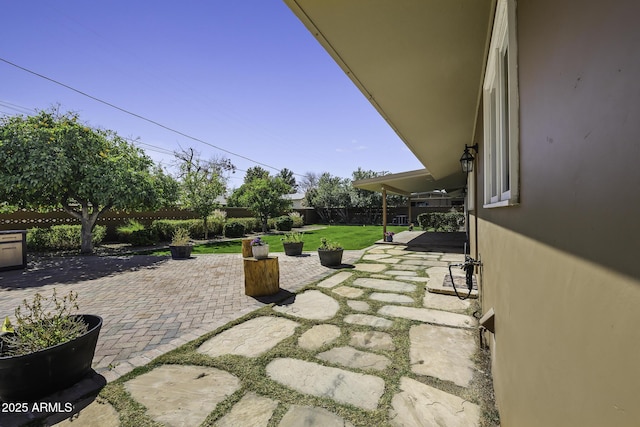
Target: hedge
(61,237)
(441,221)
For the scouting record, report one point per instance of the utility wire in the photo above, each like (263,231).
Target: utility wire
(138,115)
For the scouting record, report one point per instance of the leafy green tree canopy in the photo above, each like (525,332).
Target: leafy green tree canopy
(201,183)
(264,198)
(52,160)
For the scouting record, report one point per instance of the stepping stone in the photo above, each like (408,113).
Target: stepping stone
(445,302)
(318,336)
(436,281)
(335,280)
(98,413)
(358,305)
(348,292)
(401,273)
(425,262)
(422,256)
(384,285)
(387,260)
(407,267)
(375,257)
(368,320)
(251,338)
(352,358)
(252,410)
(396,251)
(182,395)
(453,258)
(370,267)
(429,316)
(394,298)
(415,279)
(372,340)
(308,416)
(443,353)
(361,390)
(313,305)
(380,276)
(421,405)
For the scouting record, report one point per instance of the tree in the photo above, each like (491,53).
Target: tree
(51,160)
(254,173)
(369,201)
(308,181)
(264,198)
(332,194)
(201,183)
(289,179)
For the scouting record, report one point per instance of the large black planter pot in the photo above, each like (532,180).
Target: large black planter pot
(293,248)
(331,258)
(180,252)
(35,375)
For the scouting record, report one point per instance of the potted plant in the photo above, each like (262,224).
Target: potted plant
(180,246)
(49,349)
(293,243)
(259,248)
(330,253)
(388,236)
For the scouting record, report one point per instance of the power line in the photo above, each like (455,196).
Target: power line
(138,115)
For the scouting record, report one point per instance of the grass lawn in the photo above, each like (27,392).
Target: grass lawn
(350,237)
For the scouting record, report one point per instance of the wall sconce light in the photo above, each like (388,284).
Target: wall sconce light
(466,161)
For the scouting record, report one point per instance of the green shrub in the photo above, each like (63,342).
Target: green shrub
(250,224)
(441,221)
(135,233)
(216,222)
(284,223)
(165,228)
(298,220)
(61,237)
(234,228)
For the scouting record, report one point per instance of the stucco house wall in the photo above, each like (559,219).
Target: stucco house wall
(560,268)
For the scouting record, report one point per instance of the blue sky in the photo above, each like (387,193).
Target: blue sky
(243,75)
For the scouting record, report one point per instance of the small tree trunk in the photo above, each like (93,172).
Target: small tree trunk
(206,228)
(264,224)
(86,246)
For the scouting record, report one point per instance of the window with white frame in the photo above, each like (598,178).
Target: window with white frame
(500,95)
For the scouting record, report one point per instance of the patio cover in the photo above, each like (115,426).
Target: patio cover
(408,183)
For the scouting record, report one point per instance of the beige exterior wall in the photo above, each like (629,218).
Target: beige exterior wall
(567,341)
(561,268)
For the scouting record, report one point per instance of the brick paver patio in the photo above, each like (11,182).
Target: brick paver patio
(151,305)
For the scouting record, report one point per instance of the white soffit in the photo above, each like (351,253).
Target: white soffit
(406,183)
(419,62)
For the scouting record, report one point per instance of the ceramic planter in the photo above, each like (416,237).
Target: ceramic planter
(260,252)
(330,258)
(293,248)
(180,252)
(35,375)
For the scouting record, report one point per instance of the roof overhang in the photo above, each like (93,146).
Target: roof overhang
(408,183)
(420,63)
